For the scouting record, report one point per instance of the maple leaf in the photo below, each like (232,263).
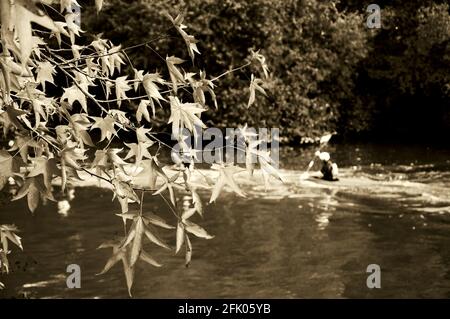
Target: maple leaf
(261,59)
(196,230)
(34,189)
(120,253)
(40,103)
(141,135)
(175,74)
(92,68)
(110,57)
(121,88)
(106,126)
(22,143)
(80,124)
(143,111)
(267,168)
(9,165)
(42,106)
(202,86)
(130,248)
(14,68)
(225,178)
(9,118)
(73,94)
(169,185)
(198,206)
(138,78)
(8,232)
(139,228)
(60,29)
(100,45)
(108,86)
(156,220)
(21,17)
(45,71)
(70,155)
(83,80)
(115,58)
(124,190)
(108,157)
(184,226)
(150,171)
(147,220)
(76,51)
(149,82)
(69,165)
(45,167)
(138,150)
(155,239)
(121,118)
(255,85)
(184,115)
(190,40)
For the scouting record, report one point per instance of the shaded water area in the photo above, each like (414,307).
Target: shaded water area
(300,240)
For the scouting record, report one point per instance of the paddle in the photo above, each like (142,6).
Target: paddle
(323,141)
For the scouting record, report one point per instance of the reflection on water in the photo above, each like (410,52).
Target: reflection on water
(298,240)
(63,204)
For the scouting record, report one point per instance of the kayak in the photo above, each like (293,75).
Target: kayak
(315,180)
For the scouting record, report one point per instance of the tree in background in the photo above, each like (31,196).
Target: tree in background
(403,83)
(313,51)
(330,71)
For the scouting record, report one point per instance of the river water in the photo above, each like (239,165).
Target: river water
(301,240)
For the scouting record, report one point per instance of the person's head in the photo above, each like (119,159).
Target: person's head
(324,156)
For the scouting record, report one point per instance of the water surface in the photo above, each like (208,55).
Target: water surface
(295,241)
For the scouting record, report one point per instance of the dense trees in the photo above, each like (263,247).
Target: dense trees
(405,78)
(329,71)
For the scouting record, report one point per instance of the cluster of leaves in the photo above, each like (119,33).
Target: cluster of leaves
(52,126)
(7,233)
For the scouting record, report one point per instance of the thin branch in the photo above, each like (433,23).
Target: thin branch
(94,56)
(231,71)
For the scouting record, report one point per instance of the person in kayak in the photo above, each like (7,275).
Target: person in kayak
(329,169)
